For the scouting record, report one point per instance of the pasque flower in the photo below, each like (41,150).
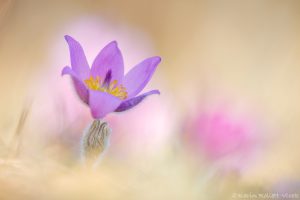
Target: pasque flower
(103,86)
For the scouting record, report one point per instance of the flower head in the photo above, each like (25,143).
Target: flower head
(103,86)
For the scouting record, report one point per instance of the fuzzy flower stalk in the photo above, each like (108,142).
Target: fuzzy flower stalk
(94,142)
(105,88)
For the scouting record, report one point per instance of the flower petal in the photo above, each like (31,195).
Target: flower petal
(78,60)
(102,103)
(109,58)
(137,78)
(80,88)
(128,104)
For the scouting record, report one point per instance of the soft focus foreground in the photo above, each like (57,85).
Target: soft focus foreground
(226,125)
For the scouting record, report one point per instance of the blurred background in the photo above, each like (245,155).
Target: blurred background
(226,125)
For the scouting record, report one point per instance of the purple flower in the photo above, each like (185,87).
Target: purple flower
(103,86)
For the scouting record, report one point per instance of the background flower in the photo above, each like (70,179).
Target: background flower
(224,136)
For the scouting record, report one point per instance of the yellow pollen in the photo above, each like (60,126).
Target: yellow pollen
(113,88)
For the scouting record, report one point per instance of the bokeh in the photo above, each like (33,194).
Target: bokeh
(225,126)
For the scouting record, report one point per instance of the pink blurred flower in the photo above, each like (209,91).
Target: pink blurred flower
(223,137)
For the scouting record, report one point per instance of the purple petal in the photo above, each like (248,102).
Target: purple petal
(109,58)
(80,88)
(128,104)
(102,103)
(78,60)
(137,78)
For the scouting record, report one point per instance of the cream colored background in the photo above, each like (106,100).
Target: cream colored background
(244,49)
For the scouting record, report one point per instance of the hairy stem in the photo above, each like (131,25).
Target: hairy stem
(95,141)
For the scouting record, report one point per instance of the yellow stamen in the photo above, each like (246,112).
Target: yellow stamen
(113,88)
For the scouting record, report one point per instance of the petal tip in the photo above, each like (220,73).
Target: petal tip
(128,104)
(64,71)
(113,43)
(154,92)
(156,59)
(67,37)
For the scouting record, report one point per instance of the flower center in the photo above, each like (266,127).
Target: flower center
(107,86)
